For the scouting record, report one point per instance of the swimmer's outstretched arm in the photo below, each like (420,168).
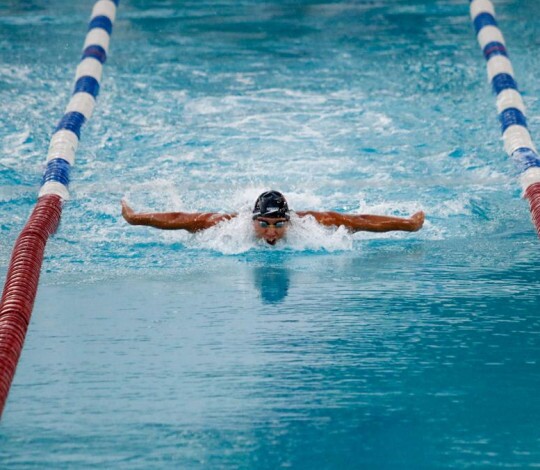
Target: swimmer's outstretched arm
(192,222)
(368,223)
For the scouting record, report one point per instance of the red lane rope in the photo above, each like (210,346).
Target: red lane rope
(21,286)
(533,195)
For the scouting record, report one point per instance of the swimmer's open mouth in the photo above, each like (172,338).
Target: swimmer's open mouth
(271,242)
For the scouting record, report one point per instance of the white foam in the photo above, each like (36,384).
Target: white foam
(306,234)
(232,237)
(236,236)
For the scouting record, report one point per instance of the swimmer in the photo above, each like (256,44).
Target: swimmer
(271,219)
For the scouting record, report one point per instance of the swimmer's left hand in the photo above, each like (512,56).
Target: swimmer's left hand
(417,221)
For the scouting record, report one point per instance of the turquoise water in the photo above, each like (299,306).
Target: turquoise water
(152,349)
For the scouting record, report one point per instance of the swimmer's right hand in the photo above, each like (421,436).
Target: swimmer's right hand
(127,212)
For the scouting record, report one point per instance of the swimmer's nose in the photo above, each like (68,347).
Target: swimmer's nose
(270,234)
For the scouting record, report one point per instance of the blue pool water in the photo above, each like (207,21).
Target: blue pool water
(152,349)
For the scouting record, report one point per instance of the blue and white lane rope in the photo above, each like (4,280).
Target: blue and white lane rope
(516,137)
(66,136)
(17,301)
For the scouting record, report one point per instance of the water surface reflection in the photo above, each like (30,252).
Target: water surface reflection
(272,282)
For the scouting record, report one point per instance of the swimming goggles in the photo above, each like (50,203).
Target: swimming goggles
(265,224)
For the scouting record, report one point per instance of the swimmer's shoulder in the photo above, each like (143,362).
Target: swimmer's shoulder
(323,217)
(205,220)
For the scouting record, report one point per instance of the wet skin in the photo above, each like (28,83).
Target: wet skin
(271,234)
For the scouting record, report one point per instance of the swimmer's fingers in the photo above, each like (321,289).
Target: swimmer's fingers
(127,212)
(125,207)
(417,220)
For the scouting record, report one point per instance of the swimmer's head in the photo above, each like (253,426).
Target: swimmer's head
(271,204)
(270,216)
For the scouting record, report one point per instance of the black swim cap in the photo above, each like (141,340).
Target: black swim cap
(271,204)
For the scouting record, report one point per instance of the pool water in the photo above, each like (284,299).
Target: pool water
(151,349)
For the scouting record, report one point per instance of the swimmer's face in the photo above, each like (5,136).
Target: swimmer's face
(270,229)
